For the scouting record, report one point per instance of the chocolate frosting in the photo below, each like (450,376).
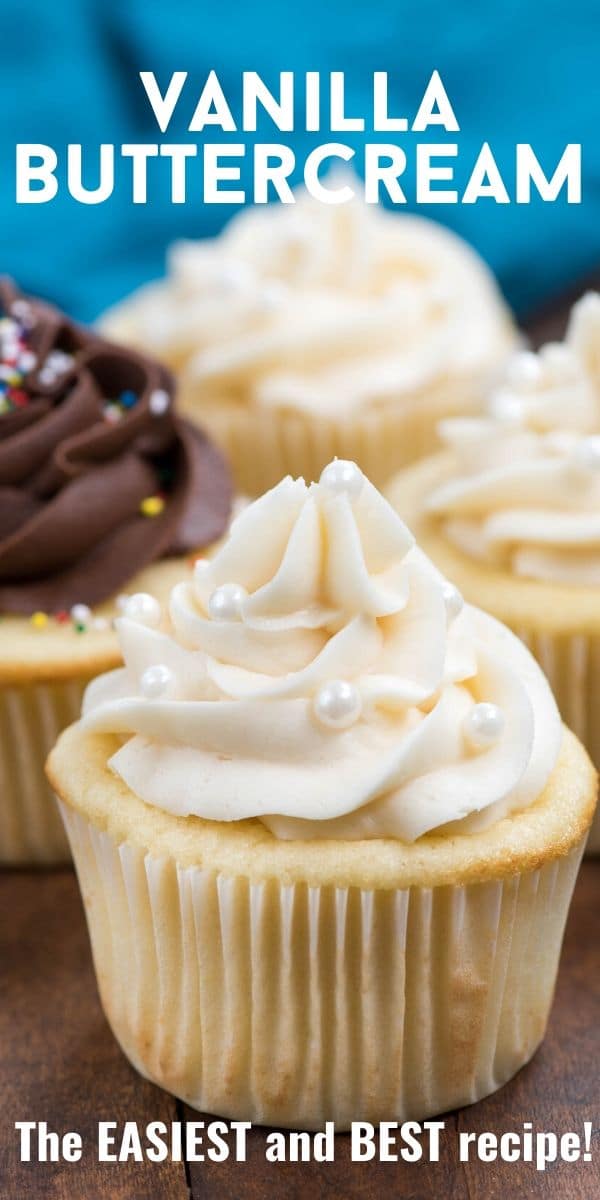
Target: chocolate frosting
(89,435)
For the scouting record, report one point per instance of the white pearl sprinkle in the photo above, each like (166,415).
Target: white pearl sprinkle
(144,608)
(156,681)
(58,361)
(337,704)
(342,476)
(121,601)
(80,614)
(525,369)
(483,725)
(100,624)
(159,402)
(587,453)
(505,406)
(453,600)
(21,309)
(225,603)
(27,361)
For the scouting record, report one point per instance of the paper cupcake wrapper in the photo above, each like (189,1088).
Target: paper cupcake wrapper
(31,718)
(572,665)
(292,1005)
(264,445)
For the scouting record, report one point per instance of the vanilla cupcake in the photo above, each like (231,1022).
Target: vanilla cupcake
(100,487)
(309,330)
(326,826)
(511,511)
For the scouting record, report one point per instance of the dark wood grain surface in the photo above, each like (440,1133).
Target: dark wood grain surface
(59,1063)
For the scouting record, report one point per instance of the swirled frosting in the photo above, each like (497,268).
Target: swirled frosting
(324,309)
(319,674)
(98,477)
(525,492)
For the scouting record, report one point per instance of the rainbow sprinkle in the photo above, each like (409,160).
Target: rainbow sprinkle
(39,620)
(116,409)
(152,506)
(81,618)
(56,364)
(16,360)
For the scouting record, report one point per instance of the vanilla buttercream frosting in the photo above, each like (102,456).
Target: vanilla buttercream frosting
(319,674)
(525,492)
(322,309)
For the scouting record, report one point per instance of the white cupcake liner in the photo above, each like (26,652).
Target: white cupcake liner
(572,665)
(264,445)
(292,1005)
(31,718)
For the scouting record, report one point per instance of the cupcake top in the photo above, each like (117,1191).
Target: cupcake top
(319,674)
(321,308)
(98,477)
(525,493)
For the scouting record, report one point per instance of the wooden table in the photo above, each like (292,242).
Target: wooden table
(59,1063)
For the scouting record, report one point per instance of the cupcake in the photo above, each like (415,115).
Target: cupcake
(309,330)
(326,824)
(102,491)
(511,511)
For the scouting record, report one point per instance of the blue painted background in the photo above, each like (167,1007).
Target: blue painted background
(515,71)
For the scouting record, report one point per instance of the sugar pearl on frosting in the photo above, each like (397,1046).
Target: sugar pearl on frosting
(337,704)
(506,406)
(27,361)
(142,607)
(453,600)
(225,603)
(21,309)
(80,614)
(156,681)
(525,369)
(159,402)
(587,453)
(483,726)
(341,475)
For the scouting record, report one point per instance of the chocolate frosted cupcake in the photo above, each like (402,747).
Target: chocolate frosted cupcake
(102,490)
